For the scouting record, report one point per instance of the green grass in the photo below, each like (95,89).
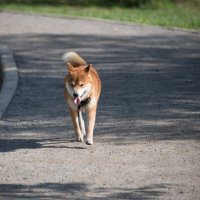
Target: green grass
(167,15)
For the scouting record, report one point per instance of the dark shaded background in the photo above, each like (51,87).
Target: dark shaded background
(106,3)
(150,85)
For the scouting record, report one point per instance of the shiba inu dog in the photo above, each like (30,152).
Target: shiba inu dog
(82,91)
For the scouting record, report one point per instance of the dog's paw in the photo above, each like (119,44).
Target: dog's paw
(89,141)
(79,139)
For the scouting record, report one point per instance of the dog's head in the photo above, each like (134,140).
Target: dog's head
(78,83)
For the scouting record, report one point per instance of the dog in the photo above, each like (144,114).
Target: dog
(82,90)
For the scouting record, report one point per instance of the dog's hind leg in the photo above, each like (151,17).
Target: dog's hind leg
(81,123)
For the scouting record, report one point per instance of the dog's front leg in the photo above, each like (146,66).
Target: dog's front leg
(91,114)
(74,117)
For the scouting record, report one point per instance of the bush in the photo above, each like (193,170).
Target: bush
(102,3)
(108,3)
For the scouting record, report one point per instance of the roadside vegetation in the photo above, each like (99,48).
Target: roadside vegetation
(167,13)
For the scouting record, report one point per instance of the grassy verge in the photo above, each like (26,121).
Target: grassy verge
(167,15)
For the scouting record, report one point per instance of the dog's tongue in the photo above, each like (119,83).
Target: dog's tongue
(77,101)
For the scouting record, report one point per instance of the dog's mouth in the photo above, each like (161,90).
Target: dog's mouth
(77,100)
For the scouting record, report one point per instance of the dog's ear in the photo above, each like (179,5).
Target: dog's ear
(87,69)
(70,68)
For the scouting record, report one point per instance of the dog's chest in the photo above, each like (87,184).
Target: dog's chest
(84,105)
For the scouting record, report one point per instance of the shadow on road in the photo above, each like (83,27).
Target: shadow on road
(150,86)
(79,191)
(9,145)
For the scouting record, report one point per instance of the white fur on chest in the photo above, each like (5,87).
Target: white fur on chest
(90,105)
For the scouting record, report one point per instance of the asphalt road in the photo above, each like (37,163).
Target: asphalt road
(147,130)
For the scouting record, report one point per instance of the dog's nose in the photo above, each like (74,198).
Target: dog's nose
(75,95)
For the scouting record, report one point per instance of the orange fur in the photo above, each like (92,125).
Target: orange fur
(83,80)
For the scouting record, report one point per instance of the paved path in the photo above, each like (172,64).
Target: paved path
(147,131)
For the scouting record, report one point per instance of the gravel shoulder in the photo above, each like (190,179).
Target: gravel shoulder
(147,130)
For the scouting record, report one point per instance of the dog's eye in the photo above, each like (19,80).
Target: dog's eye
(72,84)
(81,84)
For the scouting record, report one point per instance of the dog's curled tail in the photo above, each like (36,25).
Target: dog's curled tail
(74,59)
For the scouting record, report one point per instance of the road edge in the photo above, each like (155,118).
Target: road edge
(95,19)
(10,78)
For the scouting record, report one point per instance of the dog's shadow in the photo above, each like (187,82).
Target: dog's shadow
(8,145)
